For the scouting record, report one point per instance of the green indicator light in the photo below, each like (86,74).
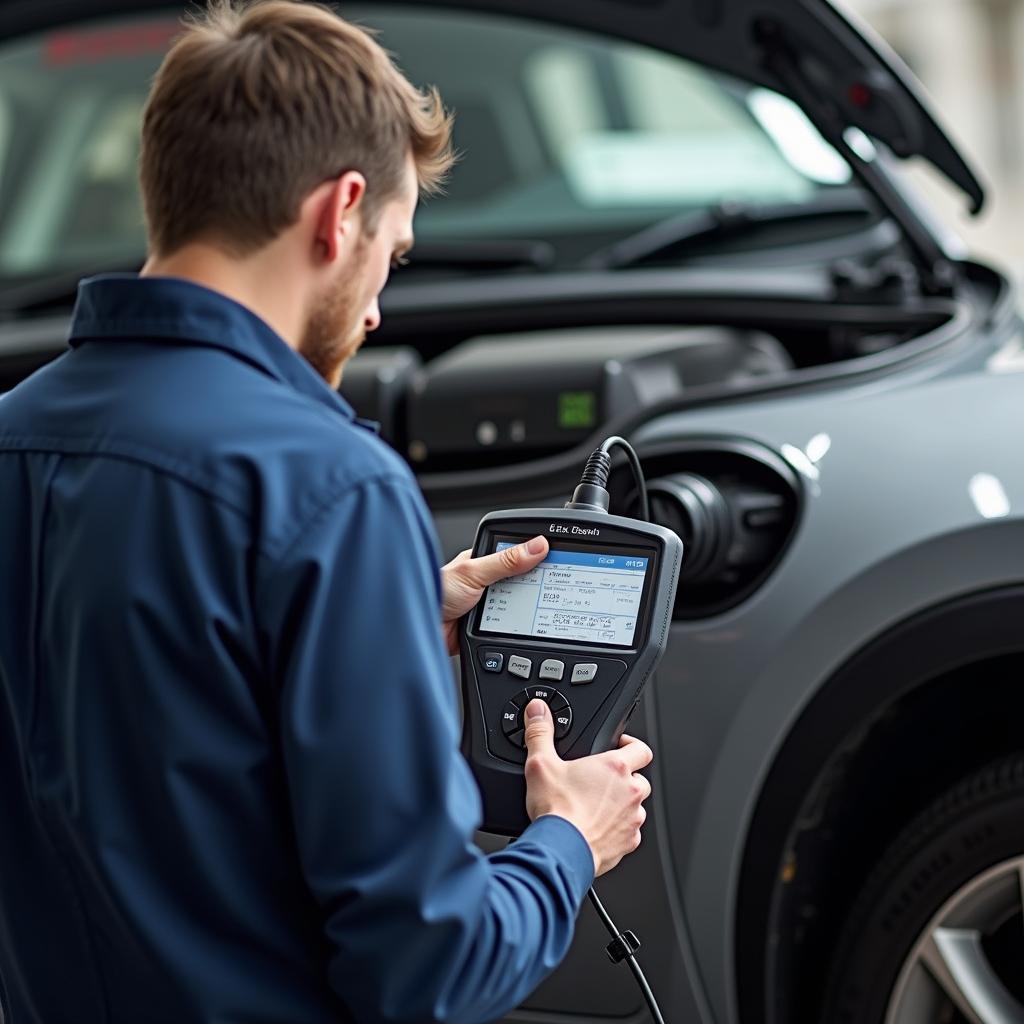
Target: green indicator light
(577,409)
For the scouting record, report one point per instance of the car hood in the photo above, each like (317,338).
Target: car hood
(855,79)
(842,75)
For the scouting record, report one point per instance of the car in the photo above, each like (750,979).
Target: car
(688,223)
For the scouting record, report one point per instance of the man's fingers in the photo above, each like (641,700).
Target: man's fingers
(488,569)
(540,728)
(643,784)
(635,753)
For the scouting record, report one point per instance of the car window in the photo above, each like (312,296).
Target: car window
(566,132)
(563,135)
(70,106)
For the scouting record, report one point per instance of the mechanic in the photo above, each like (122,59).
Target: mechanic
(229,770)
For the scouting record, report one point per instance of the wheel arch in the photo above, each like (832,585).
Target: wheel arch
(872,703)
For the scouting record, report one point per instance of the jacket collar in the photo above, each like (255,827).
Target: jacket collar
(126,306)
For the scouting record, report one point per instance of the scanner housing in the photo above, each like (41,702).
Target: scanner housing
(602,677)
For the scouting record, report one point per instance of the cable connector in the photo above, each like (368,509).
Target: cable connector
(624,944)
(591,493)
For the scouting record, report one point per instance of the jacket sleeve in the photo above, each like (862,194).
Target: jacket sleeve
(421,925)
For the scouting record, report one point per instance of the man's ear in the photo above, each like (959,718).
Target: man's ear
(337,215)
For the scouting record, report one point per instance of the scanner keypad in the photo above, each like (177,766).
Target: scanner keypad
(512,721)
(510,678)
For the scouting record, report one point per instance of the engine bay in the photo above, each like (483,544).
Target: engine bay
(461,400)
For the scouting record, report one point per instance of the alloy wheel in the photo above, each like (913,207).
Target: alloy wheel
(968,963)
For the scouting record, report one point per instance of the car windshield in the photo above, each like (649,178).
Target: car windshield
(572,139)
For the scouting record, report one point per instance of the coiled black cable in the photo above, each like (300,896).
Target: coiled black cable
(634,463)
(625,945)
(591,492)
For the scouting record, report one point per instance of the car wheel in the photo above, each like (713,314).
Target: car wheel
(937,933)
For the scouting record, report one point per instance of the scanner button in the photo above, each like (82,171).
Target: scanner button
(584,673)
(545,693)
(563,721)
(552,669)
(492,660)
(558,703)
(521,667)
(511,718)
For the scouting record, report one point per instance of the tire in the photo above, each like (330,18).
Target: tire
(935,935)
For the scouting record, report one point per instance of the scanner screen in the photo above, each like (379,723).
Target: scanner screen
(574,594)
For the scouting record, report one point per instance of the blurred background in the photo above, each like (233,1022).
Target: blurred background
(970,56)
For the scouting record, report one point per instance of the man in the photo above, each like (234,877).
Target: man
(229,773)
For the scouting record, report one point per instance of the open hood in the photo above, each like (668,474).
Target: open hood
(843,76)
(855,90)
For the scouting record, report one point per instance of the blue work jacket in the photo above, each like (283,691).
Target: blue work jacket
(230,784)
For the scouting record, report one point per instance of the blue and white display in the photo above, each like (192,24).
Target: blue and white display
(572,595)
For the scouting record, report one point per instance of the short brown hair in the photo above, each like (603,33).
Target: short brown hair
(256,105)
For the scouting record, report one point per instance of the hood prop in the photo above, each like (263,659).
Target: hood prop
(938,276)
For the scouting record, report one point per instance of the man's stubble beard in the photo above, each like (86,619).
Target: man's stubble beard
(333,332)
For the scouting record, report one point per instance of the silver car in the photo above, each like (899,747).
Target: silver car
(686,221)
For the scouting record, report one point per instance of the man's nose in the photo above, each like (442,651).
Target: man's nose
(372,320)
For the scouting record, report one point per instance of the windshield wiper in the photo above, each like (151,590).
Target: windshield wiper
(484,254)
(58,288)
(727,219)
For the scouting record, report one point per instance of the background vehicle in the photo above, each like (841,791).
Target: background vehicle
(684,222)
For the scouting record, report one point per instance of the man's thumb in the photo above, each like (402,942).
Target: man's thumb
(540,727)
(511,561)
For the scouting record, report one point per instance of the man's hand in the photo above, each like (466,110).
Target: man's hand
(602,795)
(464,578)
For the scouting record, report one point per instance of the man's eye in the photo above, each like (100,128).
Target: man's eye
(398,261)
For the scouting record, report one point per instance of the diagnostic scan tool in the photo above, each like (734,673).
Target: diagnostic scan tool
(582,631)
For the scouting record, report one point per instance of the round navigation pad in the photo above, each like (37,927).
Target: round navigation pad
(512,724)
